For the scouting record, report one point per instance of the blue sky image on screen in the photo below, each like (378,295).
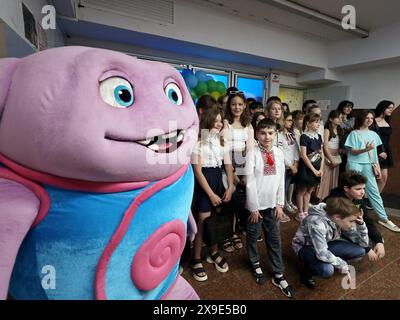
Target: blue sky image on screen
(252,88)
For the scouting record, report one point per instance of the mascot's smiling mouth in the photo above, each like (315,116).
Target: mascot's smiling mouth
(165,143)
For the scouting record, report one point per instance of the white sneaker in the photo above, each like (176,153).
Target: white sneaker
(293,206)
(390,225)
(289,208)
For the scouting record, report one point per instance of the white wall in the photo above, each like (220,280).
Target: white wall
(168,56)
(203,25)
(368,86)
(288,79)
(382,44)
(364,86)
(11,14)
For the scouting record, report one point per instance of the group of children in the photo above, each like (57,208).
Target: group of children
(251,161)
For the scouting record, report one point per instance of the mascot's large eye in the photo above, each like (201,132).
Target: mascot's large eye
(173,93)
(117,92)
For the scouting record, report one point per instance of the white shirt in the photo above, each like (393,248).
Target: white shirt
(334,143)
(210,151)
(297,134)
(290,150)
(264,191)
(237,138)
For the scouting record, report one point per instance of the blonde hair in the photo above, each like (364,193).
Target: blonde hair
(279,121)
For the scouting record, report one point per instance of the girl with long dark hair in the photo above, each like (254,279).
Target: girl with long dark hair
(383,128)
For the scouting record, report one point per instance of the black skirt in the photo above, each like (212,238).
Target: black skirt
(388,162)
(305,177)
(201,201)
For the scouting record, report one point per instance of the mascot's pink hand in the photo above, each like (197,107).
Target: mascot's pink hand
(18,209)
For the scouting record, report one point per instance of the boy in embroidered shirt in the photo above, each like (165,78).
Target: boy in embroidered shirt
(265,169)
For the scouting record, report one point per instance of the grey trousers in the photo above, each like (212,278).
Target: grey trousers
(272,237)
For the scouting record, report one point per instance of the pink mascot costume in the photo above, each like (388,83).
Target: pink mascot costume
(95,176)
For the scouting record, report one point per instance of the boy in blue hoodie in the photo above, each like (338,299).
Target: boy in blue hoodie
(317,243)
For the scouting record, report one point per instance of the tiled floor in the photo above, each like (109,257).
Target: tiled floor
(374,280)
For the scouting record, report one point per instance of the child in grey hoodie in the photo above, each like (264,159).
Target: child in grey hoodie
(317,243)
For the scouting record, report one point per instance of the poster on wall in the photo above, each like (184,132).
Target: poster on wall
(293,97)
(30,26)
(275,77)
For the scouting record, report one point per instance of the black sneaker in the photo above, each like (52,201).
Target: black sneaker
(308,281)
(260,239)
(282,284)
(368,204)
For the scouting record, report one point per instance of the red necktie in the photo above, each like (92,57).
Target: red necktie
(270,160)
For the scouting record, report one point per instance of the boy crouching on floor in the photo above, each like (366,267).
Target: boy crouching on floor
(317,243)
(265,169)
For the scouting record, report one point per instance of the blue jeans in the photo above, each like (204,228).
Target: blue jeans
(342,249)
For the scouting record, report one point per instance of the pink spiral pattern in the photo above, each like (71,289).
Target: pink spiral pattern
(157,255)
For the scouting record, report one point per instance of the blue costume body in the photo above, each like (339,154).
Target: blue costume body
(79,223)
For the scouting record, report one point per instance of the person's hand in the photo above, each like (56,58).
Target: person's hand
(317,173)
(236,180)
(227,195)
(360,219)
(378,174)
(372,256)
(383,155)
(369,146)
(379,250)
(294,169)
(278,213)
(335,164)
(215,200)
(254,216)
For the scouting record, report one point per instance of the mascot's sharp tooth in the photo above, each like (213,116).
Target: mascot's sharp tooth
(180,136)
(153,147)
(145,142)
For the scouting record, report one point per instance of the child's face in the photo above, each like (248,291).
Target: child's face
(288,122)
(218,124)
(345,223)
(369,120)
(266,136)
(314,126)
(257,109)
(388,112)
(275,112)
(356,192)
(347,109)
(299,123)
(336,121)
(237,106)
